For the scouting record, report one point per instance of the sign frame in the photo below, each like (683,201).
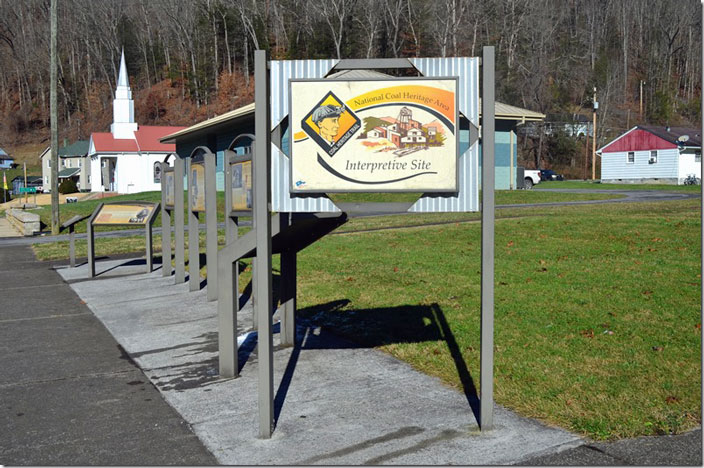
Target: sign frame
(148,222)
(193,207)
(165,172)
(455,190)
(237,159)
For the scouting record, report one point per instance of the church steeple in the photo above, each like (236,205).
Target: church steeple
(123,124)
(123,80)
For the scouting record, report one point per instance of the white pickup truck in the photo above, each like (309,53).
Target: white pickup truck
(530,178)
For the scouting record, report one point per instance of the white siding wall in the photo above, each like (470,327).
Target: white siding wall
(688,165)
(96,184)
(46,172)
(85,173)
(615,165)
(133,172)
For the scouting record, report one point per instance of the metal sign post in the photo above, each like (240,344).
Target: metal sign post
(288,288)
(262,280)
(167,190)
(486,373)
(211,228)
(228,271)
(201,198)
(179,241)
(193,240)
(71,225)
(228,288)
(91,240)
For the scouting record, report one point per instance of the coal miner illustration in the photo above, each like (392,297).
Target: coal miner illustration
(327,118)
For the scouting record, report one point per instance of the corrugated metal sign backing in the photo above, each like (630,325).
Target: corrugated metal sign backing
(467,199)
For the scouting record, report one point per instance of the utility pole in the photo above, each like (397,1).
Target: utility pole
(54,117)
(641,101)
(596,106)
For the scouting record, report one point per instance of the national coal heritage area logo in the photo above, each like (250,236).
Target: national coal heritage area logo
(331,124)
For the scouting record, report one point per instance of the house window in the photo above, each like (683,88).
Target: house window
(48,163)
(631,157)
(653,157)
(698,156)
(89,179)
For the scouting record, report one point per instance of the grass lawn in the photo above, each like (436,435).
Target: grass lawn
(68,210)
(597,310)
(597,307)
(581,184)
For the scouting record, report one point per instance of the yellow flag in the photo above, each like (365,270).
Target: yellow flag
(4,181)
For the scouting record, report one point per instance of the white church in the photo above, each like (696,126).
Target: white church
(126,159)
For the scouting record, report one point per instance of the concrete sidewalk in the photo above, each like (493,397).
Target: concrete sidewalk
(336,403)
(70,395)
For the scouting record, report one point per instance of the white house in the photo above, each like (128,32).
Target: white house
(73,164)
(413,136)
(652,154)
(376,132)
(125,159)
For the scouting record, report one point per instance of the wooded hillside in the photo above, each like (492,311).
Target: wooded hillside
(192,59)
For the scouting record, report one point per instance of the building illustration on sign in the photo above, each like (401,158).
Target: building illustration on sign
(374,135)
(403,135)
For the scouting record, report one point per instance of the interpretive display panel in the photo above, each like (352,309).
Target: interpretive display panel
(374,135)
(132,213)
(169,189)
(197,180)
(241,186)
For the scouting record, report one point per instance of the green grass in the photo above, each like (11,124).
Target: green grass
(597,310)
(68,210)
(597,307)
(580,184)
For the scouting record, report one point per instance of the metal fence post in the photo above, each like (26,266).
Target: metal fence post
(179,241)
(71,246)
(193,238)
(261,214)
(486,373)
(211,228)
(288,290)
(149,249)
(165,226)
(91,247)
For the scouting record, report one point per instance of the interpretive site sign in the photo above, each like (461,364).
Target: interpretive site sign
(170,196)
(197,181)
(136,214)
(374,135)
(241,186)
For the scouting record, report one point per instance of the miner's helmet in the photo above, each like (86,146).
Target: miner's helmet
(326,111)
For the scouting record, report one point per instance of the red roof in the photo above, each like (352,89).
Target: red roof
(146,139)
(104,142)
(649,137)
